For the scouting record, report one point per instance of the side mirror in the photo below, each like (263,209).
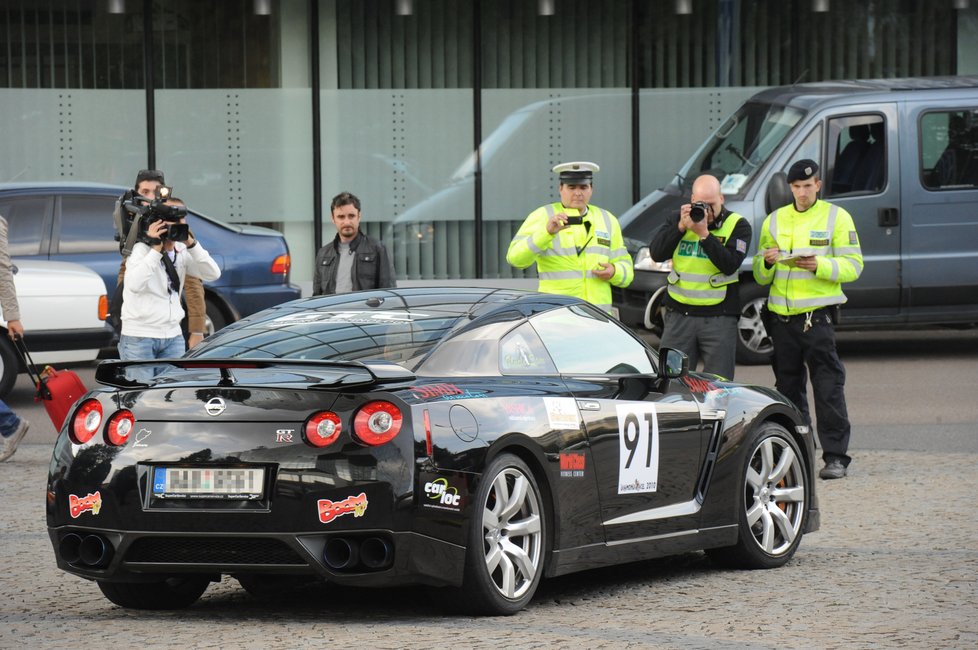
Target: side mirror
(778,194)
(673,364)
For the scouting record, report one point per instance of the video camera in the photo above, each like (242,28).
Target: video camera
(135,213)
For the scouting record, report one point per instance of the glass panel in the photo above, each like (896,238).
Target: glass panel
(522,352)
(26,219)
(856,155)
(581,340)
(949,149)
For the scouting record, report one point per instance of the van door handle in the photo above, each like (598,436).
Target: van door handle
(888,217)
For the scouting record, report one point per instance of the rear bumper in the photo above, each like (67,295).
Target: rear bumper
(73,339)
(247,300)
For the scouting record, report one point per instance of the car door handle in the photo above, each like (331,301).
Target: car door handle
(888,217)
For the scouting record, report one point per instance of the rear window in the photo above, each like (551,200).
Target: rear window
(949,149)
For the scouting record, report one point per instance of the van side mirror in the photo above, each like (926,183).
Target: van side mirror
(672,363)
(778,194)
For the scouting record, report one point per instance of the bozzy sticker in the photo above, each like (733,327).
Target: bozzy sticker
(89,503)
(330,510)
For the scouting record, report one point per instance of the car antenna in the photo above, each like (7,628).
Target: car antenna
(800,77)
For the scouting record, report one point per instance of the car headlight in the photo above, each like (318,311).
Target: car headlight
(644,262)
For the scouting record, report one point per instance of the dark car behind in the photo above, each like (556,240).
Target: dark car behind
(72,222)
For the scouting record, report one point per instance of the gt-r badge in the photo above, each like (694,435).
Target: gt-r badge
(215,406)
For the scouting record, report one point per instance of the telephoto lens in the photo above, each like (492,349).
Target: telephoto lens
(697,211)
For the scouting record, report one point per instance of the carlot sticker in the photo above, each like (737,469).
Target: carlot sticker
(90,503)
(562,413)
(638,448)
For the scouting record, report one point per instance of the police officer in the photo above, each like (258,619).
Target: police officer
(707,244)
(806,251)
(578,247)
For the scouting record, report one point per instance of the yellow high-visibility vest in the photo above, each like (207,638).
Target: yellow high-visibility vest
(694,279)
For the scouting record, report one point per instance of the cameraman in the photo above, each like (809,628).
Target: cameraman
(148,181)
(707,244)
(155,274)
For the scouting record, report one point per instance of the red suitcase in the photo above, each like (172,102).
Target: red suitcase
(58,389)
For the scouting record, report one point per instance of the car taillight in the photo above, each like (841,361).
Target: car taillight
(119,427)
(282,264)
(86,423)
(376,423)
(103,307)
(322,429)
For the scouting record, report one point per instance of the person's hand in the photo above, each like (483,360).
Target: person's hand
(194,339)
(605,271)
(809,263)
(684,220)
(771,255)
(155,231)
(557,223)
(15,330)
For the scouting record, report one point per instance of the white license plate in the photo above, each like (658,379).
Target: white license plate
(208,482)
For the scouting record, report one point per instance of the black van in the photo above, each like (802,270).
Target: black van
(901,155)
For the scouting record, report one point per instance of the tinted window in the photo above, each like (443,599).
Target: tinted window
(582,340)
(521,352)
(949,149)
(25,224)
(856,155)
(86,225)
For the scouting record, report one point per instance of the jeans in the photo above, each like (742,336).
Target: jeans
(8,420)
(144,348)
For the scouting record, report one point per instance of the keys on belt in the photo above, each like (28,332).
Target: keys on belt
(807,316)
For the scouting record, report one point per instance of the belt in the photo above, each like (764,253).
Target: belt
(803,316)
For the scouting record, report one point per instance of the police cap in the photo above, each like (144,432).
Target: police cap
(802,170)
(576,173)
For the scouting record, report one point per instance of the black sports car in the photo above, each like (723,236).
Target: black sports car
(475,439)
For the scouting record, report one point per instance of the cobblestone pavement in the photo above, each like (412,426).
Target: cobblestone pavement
(894,565)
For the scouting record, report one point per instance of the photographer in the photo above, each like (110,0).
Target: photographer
(707,244)
(147,183)
(165,253)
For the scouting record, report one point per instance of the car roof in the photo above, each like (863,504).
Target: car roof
(807,95)
(58,186)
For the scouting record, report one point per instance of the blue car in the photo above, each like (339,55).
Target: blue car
(72,222)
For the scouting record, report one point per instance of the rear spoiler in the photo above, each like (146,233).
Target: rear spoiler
(320,374)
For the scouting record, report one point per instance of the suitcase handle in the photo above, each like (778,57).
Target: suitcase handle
(32,372)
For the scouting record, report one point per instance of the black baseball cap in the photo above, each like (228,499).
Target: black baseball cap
(802,170)
(149,175)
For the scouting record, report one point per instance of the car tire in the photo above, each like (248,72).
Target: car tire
(772,502)
(172,593)
(215,318)
(9,366)
(507,540)
(754,344)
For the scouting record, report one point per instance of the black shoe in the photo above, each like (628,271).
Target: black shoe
(833,469)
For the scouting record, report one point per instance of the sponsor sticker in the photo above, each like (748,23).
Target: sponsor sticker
(441,494)
(638,448)
(442,392)
(571,464)
(562,413)
(92,502)
(330,510)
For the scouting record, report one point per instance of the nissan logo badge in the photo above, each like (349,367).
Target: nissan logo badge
(215,406)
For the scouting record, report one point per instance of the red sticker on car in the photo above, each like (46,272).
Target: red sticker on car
(330,510)
(90,503)
(571,464)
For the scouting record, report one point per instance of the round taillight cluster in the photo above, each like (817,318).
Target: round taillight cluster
(86,423)
(377,422)
(322,429)
(119,427)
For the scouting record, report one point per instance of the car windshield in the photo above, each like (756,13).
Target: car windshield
(740,146)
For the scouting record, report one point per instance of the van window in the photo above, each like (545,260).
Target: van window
(949,149)
(811,148)
(856,155)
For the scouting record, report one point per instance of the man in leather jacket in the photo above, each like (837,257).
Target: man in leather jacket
(353,261)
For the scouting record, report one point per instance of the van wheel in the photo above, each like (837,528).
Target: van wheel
(9,366)
(754,345)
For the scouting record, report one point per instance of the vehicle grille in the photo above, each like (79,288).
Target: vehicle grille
(209,550)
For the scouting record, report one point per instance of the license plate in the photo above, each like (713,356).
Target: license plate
(208,482)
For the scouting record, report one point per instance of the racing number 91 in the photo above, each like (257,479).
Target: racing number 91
(638,440)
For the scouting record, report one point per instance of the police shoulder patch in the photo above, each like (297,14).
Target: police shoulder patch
(853,239)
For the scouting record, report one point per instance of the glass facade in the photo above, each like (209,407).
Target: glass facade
(443,116)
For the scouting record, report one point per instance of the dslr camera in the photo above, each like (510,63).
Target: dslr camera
(699,210)
(134,215)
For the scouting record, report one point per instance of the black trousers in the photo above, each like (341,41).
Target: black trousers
(796,349)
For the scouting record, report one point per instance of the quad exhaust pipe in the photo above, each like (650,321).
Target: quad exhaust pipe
(353,554)
(86,550)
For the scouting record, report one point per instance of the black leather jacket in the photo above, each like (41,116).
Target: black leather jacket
(372,266)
